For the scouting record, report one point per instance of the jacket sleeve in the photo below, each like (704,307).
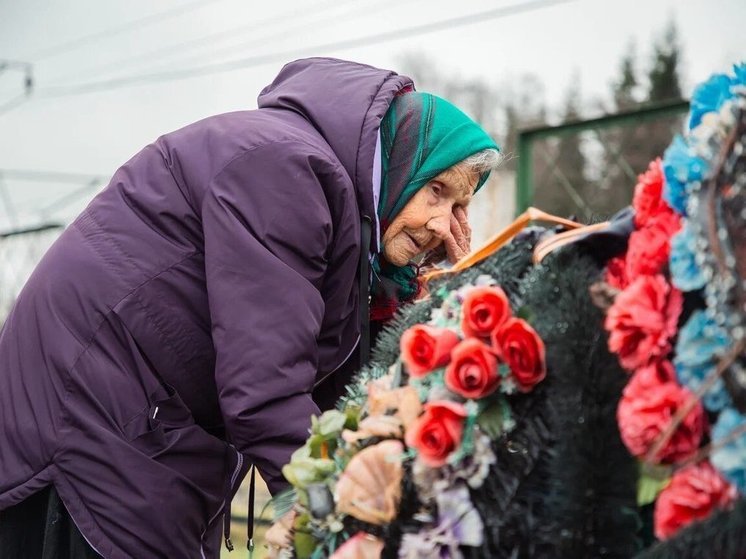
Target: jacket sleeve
(267,230)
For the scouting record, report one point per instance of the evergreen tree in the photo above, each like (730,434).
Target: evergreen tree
(625,87)
(663,76)
(566,191)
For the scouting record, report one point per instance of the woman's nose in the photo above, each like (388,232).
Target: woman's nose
(440,223)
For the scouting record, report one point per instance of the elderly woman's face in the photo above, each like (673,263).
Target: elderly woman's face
(425,221)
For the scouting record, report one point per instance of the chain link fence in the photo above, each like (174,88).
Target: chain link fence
(588,169)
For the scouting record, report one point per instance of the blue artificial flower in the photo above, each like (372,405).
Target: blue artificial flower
(740,72)
(685,273)
(679,168)
(709,96)
(730,459)
(699,345)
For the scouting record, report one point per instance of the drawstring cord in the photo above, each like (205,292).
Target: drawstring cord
(250,521)
(228,490)
(252,491)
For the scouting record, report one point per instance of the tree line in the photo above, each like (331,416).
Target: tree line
(590,174)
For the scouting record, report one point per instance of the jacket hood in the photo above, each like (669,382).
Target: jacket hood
(344,101)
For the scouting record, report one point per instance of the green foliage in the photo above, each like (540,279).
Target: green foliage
(650,484)
(303,541)
(491,420)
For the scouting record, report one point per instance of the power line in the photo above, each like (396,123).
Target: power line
(281,56)
(377,7)
(48,176)
(210,39)
(13,103)
(116,30)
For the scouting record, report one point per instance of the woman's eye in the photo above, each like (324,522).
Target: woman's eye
(436,189)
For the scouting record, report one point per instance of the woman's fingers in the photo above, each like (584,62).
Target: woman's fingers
(460,230)
(462,216)
(456,235)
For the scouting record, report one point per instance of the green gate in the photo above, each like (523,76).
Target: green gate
(588,169)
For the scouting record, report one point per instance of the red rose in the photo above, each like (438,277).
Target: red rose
(647,407)
(437,432)
(649,247)
(647,200)
(642,321)
(523,350)
(484,309)
(692,495)
(472,372)
(425,348)
(616,272)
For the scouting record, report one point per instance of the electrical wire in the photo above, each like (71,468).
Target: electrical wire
(209,39)
(75,44)
(339,18)
(13,103)
(285,55)
(48,176)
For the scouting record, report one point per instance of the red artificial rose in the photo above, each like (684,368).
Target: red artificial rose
(472,372)
(649,247)
(485,308)
(647,200)
(616,272)
(693,494)
(437,432)
(647,407)
(642,321)
(523,350)
(425,348)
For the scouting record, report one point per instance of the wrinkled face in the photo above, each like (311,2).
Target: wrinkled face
(425,221)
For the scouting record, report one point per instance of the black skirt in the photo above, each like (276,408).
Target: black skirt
(41,528)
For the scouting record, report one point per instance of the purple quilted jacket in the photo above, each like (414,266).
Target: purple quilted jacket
(175,331)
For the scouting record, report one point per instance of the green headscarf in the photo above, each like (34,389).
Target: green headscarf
(422,135)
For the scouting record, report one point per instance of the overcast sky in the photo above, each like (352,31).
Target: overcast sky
(92,43)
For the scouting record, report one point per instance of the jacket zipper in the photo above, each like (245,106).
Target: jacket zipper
(234,476)
(334,370)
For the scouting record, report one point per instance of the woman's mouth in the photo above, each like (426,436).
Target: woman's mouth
(414,242)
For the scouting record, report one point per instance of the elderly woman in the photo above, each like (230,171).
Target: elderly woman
(176,331)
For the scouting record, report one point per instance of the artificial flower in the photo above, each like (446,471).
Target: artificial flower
(425,348)
(649,247)
(360,546)
(693,494)
(642,321)
(473,469)
(647,407)
(647,200)
(472,372)
(680,167)
(484,309)
(685,272)
(521,348)
(384,426)
(730,457)
(616,273)
(304,470)
(698,346)
(279,537)
(403,402)
(370,486)
(709,96)
(437,432)
(459,524)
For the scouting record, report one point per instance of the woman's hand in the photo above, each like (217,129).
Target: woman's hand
(456,240)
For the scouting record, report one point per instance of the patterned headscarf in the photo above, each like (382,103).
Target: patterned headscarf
(422,135)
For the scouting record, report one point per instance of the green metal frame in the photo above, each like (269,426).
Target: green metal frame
(527,138)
